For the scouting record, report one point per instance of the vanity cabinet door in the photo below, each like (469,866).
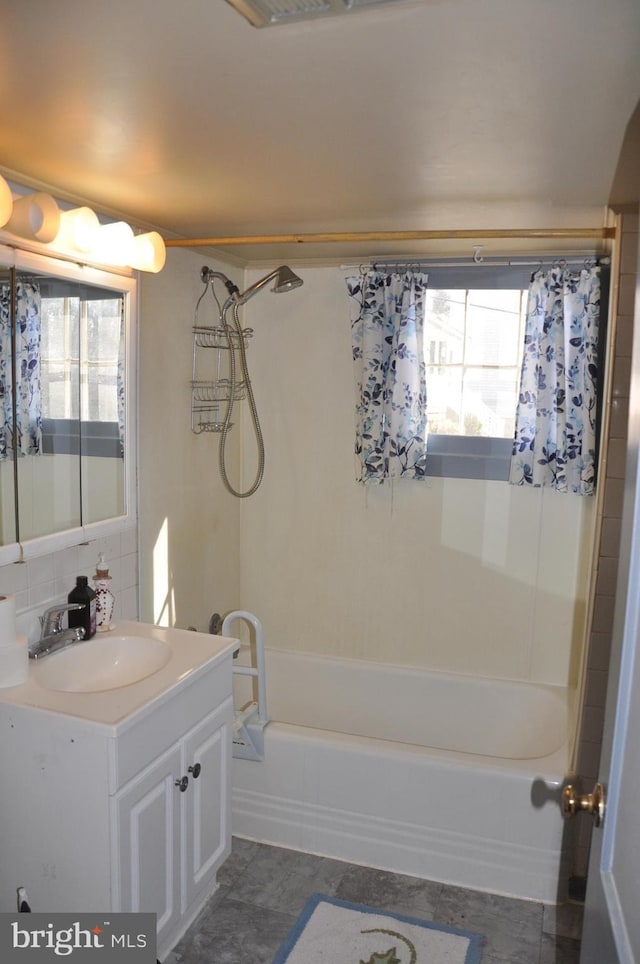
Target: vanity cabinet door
(148,832)
(207,801)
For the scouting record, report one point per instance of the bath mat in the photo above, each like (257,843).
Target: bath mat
(331,931)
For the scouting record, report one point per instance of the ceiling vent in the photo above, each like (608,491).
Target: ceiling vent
(270,13)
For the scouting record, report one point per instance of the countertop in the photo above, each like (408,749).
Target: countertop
(192,654)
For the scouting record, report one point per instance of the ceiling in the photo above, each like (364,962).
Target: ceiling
(429,114)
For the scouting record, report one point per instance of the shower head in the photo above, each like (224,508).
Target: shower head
(284,278)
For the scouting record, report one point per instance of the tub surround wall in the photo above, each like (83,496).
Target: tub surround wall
(188,522)
(457,575)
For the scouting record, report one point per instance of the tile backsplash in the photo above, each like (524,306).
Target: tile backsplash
(46,580)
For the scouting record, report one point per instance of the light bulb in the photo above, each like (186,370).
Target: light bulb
(149,252)
(113,244)
(35,217)
(78,229)
(6,202)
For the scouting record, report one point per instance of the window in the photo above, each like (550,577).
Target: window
(473,337)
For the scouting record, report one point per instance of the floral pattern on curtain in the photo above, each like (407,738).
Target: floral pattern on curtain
(28,391)
(555,436)
(387,322)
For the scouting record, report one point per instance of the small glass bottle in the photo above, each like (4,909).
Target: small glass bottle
(104,597)
(85,617)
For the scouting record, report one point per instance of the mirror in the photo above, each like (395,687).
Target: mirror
(71,347)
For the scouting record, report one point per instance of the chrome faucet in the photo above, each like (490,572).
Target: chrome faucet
(52,636)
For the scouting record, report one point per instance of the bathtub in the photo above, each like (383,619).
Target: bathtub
(446,777)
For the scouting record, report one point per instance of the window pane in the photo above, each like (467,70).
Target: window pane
(489,401)
(493,330)
(444,400)
(473,344)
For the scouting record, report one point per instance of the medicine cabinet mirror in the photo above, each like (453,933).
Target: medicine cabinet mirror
(66,394)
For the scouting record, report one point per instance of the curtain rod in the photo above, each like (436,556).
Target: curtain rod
(472,262)
(477,234)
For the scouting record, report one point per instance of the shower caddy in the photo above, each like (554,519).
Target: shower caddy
(210,384)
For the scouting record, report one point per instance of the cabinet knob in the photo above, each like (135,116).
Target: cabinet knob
(195,770)
(182,784)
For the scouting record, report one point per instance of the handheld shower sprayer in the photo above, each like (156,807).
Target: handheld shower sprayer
(284,280)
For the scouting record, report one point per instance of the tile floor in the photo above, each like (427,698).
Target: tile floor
(263,889)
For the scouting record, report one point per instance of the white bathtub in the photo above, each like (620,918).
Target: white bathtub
(430,774)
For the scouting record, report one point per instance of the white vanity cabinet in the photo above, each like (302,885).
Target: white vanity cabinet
(171,825)
(129,816)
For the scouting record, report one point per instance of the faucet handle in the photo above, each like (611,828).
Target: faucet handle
(51,619)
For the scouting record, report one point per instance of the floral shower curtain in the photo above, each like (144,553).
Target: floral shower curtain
(28,394)
(387,321)
(555,436)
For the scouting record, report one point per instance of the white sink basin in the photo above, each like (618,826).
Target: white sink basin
(102,663)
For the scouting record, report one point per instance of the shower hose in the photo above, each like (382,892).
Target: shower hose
(234,335)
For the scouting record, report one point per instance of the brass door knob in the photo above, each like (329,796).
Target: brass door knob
(593,803)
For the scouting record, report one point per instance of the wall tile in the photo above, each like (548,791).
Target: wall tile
(66,563)
(14,578)
(627,294)
(606,582)
(593,723)
(624,335)
(40,570)
(589,762)
(603,614)
(596,690)
(610,541)
(49,579)
(617,458)
(600,651)
(621,376)
(629,253)
(619,423)
(613,498)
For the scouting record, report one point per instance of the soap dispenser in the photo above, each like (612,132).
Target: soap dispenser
(104,597)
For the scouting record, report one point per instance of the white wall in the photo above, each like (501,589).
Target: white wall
(188,523)
(475,577)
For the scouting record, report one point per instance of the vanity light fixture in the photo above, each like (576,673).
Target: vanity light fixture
(37,217)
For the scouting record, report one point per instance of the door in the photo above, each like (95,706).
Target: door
(208,801)
(148,831)
(611,933)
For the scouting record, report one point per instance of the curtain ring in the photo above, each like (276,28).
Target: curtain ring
(477,257)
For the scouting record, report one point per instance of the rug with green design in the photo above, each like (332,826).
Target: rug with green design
(331,931)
